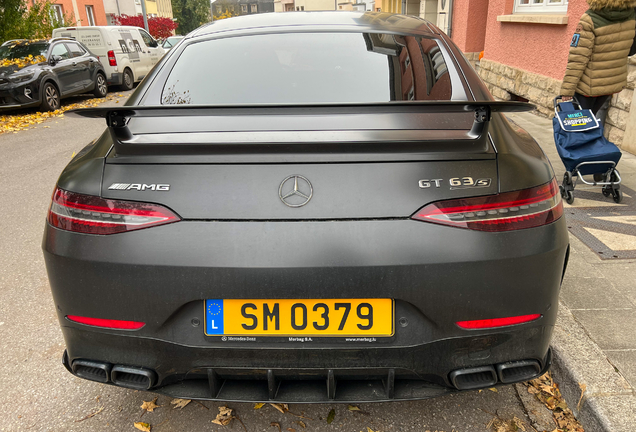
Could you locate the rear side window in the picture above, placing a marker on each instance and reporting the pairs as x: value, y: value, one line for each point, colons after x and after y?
x: 306, y: 68
x: 76, y: 50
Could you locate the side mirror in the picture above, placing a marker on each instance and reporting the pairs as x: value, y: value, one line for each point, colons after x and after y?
x: 54, y: 60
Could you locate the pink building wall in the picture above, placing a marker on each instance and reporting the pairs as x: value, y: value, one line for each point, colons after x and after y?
x: 468, y: 30
x: 538, y: 48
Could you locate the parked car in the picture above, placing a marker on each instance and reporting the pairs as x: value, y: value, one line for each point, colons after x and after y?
x: 43, y: 72
x: 171, y: 42
x: 314, y: 207
x: 127, y: 53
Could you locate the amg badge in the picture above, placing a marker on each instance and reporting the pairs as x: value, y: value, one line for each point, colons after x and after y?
x: 139, y: 186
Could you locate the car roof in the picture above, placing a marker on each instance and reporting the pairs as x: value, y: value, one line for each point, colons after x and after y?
x: 323, y: 20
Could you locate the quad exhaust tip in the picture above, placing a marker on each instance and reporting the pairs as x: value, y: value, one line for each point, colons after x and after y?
x: 136, y: 378
x: 487, y: 376
x: 132, y: 377
x: 91, y: 370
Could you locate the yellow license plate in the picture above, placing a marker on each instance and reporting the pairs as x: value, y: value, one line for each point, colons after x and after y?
x: 292, y: 317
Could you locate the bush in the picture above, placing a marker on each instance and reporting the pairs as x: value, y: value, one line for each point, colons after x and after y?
x: 19, y: 22
x: 159, y: 27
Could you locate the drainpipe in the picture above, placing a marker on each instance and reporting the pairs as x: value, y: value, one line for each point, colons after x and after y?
x: 450, y: 18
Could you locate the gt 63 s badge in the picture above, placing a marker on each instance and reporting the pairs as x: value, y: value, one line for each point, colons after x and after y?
x: 456, y: 183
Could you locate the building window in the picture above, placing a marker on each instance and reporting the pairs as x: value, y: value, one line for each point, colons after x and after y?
x: 58, y: 12
x: 541, y: 6
x: 302, y: 8
x: 90, y: 15
x: 244, y: 8
x: 254, y: 8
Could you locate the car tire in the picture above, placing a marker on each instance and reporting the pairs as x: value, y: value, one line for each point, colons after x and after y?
x: 128, y: 80
x: 101, y: 87
x: 50, y: 97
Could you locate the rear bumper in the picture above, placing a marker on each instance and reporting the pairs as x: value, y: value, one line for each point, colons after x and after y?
x: 115, y: 79
x: 162, y: 275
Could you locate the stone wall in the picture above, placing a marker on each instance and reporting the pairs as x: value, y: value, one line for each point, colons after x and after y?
x: 503, y: 81
x: 473, y: 58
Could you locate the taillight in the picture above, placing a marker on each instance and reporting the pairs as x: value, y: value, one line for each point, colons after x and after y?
x: 111, y: 58
x: 107, y: 323
x: 497, y: 322
x: 508, y: 211
x: 94, y: 215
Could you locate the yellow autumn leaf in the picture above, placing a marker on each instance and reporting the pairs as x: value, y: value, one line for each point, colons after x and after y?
x: 151, y: 405
x: 145, y: 427
x: 258, y: 405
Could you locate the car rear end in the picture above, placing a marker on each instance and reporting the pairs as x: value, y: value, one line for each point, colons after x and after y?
x: 321, y: 248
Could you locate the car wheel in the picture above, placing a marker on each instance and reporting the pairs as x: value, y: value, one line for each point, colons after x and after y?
x: 101, y: 88
x: 50, y: 97
x: 128, y: 81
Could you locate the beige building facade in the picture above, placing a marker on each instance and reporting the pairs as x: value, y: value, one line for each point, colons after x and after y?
x: 305, y: 5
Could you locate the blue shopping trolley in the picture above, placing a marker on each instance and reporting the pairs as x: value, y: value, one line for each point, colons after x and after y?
x: 584, y: 150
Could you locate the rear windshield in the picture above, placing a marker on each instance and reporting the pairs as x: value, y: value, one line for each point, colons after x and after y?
x: 12, y: 52
x: 306, y: 68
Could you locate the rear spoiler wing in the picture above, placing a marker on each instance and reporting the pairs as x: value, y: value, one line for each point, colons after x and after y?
x: 126, y: 143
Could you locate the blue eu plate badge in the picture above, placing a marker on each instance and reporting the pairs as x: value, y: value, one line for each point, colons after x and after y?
x: 214, y: 317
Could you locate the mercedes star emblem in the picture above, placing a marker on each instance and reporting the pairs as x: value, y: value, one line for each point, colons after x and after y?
x: 295, y: 191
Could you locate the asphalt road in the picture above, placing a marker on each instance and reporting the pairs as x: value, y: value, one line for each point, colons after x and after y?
x: 38, y: 394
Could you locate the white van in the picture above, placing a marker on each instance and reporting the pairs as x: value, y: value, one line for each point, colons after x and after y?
x: 127, y: 53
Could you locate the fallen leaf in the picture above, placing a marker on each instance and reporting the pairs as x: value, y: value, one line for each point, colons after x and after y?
x: 151, y: 405
x: 90, y: 415
x: 224, y: 417
x: 548, y: 389
x: 258, y: 405
x: 145, y: 427
x: 353, y: 408
x: 493, y: 389
x: 519, y: 423
x: 302, y: 424
x: 331, y: 416
x: 533, y: 390
x: 369, y: 429
x: 274, y: 424
x: 180, y: 403
x: 291, y: 429
x: 583, y: 387
x: 281, y: 407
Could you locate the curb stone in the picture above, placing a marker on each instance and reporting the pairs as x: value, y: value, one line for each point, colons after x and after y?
x: 578, y: 360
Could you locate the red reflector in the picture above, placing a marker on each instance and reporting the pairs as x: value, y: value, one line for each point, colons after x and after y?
x: 508, y: 211
x: 107, y: 323
x: 497, y: 322
x: 111, y: 58
x: 93, y: 215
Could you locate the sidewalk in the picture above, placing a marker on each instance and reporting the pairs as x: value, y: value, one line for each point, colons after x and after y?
x: 594, y: 341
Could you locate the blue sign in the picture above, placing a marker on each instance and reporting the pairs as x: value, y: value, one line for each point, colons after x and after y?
x: 214, y: 317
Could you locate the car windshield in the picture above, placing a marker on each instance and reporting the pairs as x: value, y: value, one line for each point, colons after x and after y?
x: 308, y: 68
x: 12, y: 52
x: 171, y: 41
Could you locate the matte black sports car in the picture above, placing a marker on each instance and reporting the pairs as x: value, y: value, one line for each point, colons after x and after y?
x: 337, y: 212
x: 44, y: 71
